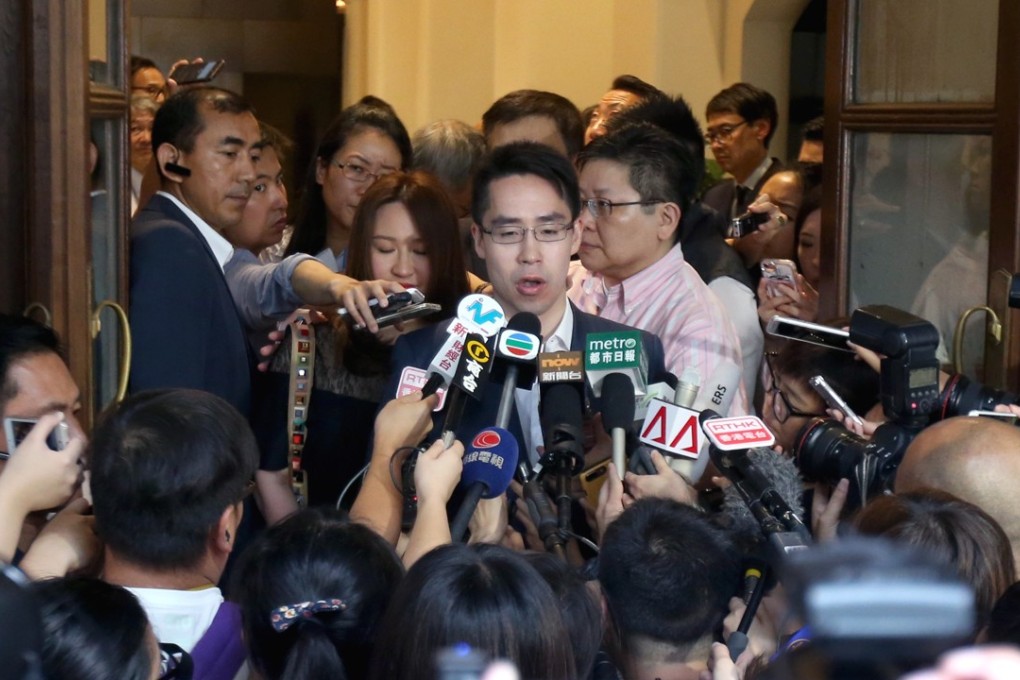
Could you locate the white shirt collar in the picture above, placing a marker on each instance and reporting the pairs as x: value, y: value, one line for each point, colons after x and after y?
x: 559, y: 341
x: 752, y: 180
x: 221, y: 248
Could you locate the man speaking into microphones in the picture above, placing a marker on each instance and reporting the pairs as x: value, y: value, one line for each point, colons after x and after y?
x: 525, y: 205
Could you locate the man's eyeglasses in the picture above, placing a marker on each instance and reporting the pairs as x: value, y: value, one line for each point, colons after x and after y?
x: 723, y: 133
x: 603, y: 207
x: 153, y: 91
x: 781, y: 407
x: 356, y: 172
x: 546, y: 233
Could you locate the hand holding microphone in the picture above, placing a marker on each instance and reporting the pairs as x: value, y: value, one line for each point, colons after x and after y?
x: 489, y: 467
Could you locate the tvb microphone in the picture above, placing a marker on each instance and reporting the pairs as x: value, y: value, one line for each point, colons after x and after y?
x: 515, y: 361
x: 469, y: 381
x: 618, y: 414
x: 489, y: 466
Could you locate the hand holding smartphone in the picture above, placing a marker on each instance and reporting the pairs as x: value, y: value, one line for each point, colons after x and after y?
x: 202, y: 72
x: 834, y: 401
x: 776, y: 271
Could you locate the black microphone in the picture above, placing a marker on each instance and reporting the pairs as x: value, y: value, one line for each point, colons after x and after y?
x: 515, y: 363
x: 488, y: 469
x: 781, y: 525
x: 618, y: 414
x: 469, y: 381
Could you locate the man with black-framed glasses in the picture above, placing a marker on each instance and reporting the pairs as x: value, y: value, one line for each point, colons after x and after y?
x: 525, y: 205
x: 740, y: 123
x: 635, y: 184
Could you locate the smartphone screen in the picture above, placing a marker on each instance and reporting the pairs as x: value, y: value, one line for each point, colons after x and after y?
x: 804, y: 331
x: 17, y: 429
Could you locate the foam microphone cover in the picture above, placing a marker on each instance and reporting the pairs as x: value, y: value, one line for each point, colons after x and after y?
x: 781, y: 473
x: 491, y: 459
x: 617, y: 401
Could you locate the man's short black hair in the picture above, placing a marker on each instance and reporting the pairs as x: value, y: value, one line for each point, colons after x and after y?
x: 525, y: 158
x: 180, y: 120
x: 813, y: 130
x: 138, y: 63
x: 21, y: 337
x: 667, y: 573
x: 635, y: 86
x: 660, y: 167
x: 165, y: 465
x: 672, y: 114
x: 523, y: 103
x: 749, y: 102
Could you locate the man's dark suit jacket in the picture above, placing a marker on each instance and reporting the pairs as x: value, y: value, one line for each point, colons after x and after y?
x: 418, y: 349
x: 720, y: 195
x: 185, y: 329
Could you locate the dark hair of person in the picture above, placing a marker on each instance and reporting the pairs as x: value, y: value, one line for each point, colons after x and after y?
x: 165, y: 465
x: 433, y: 216
x: 138, y: 63
x: 747, y: 101
x: 368, y: 113
x: 578, y: 605
x: 486, y: 596
x: 660, y: 167
x: 525, y: 158
x: 954, y: 532
x: 672, y: 114
x: 810, y: 203
x: 853, y: 380
x: 181, y: 118
x: 315, y: 555
x: 519, y: 104
x: 273, y: 138
x: 667, y: 572
x: 92, y: 631
x: 634, y: 85
x: 1004, y: 621
x: 21, y: 337
x: 813, y: 130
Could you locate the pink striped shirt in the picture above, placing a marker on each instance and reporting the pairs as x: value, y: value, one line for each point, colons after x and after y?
x: 670, y: 300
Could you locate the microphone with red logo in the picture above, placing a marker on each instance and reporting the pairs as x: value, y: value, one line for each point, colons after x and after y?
x: 489, y: 466
x: 515, y: 363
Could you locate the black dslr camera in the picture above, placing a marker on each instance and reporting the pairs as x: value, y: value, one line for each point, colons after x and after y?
x: 909, y: 385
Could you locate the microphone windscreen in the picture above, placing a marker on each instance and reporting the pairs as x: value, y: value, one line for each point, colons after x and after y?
x: 718, y: 391
x: 617, y: 401
x: 782, y: 475
x: 671, y: 380
x: 491, y: 459
x: 525, y: 322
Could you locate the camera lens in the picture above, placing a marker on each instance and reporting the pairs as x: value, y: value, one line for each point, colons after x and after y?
x: 965, y: 395
x: 826, y: 451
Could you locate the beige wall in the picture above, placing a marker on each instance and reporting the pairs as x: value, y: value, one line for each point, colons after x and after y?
x: 451, y: 58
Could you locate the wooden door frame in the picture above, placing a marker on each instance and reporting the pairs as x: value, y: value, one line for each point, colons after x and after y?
x: 1000, y: 119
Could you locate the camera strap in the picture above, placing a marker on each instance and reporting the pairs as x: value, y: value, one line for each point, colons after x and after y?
x: 302, y: 379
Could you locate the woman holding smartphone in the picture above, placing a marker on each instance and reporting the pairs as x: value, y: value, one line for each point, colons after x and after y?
x: 405, y: 230
x: 800, y: 301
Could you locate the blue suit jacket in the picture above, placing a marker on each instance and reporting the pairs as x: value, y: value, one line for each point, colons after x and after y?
x: 185, y: 328
x: 418, y: 349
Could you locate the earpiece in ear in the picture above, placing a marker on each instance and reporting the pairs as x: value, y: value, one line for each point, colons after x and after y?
x: 179, y: 169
